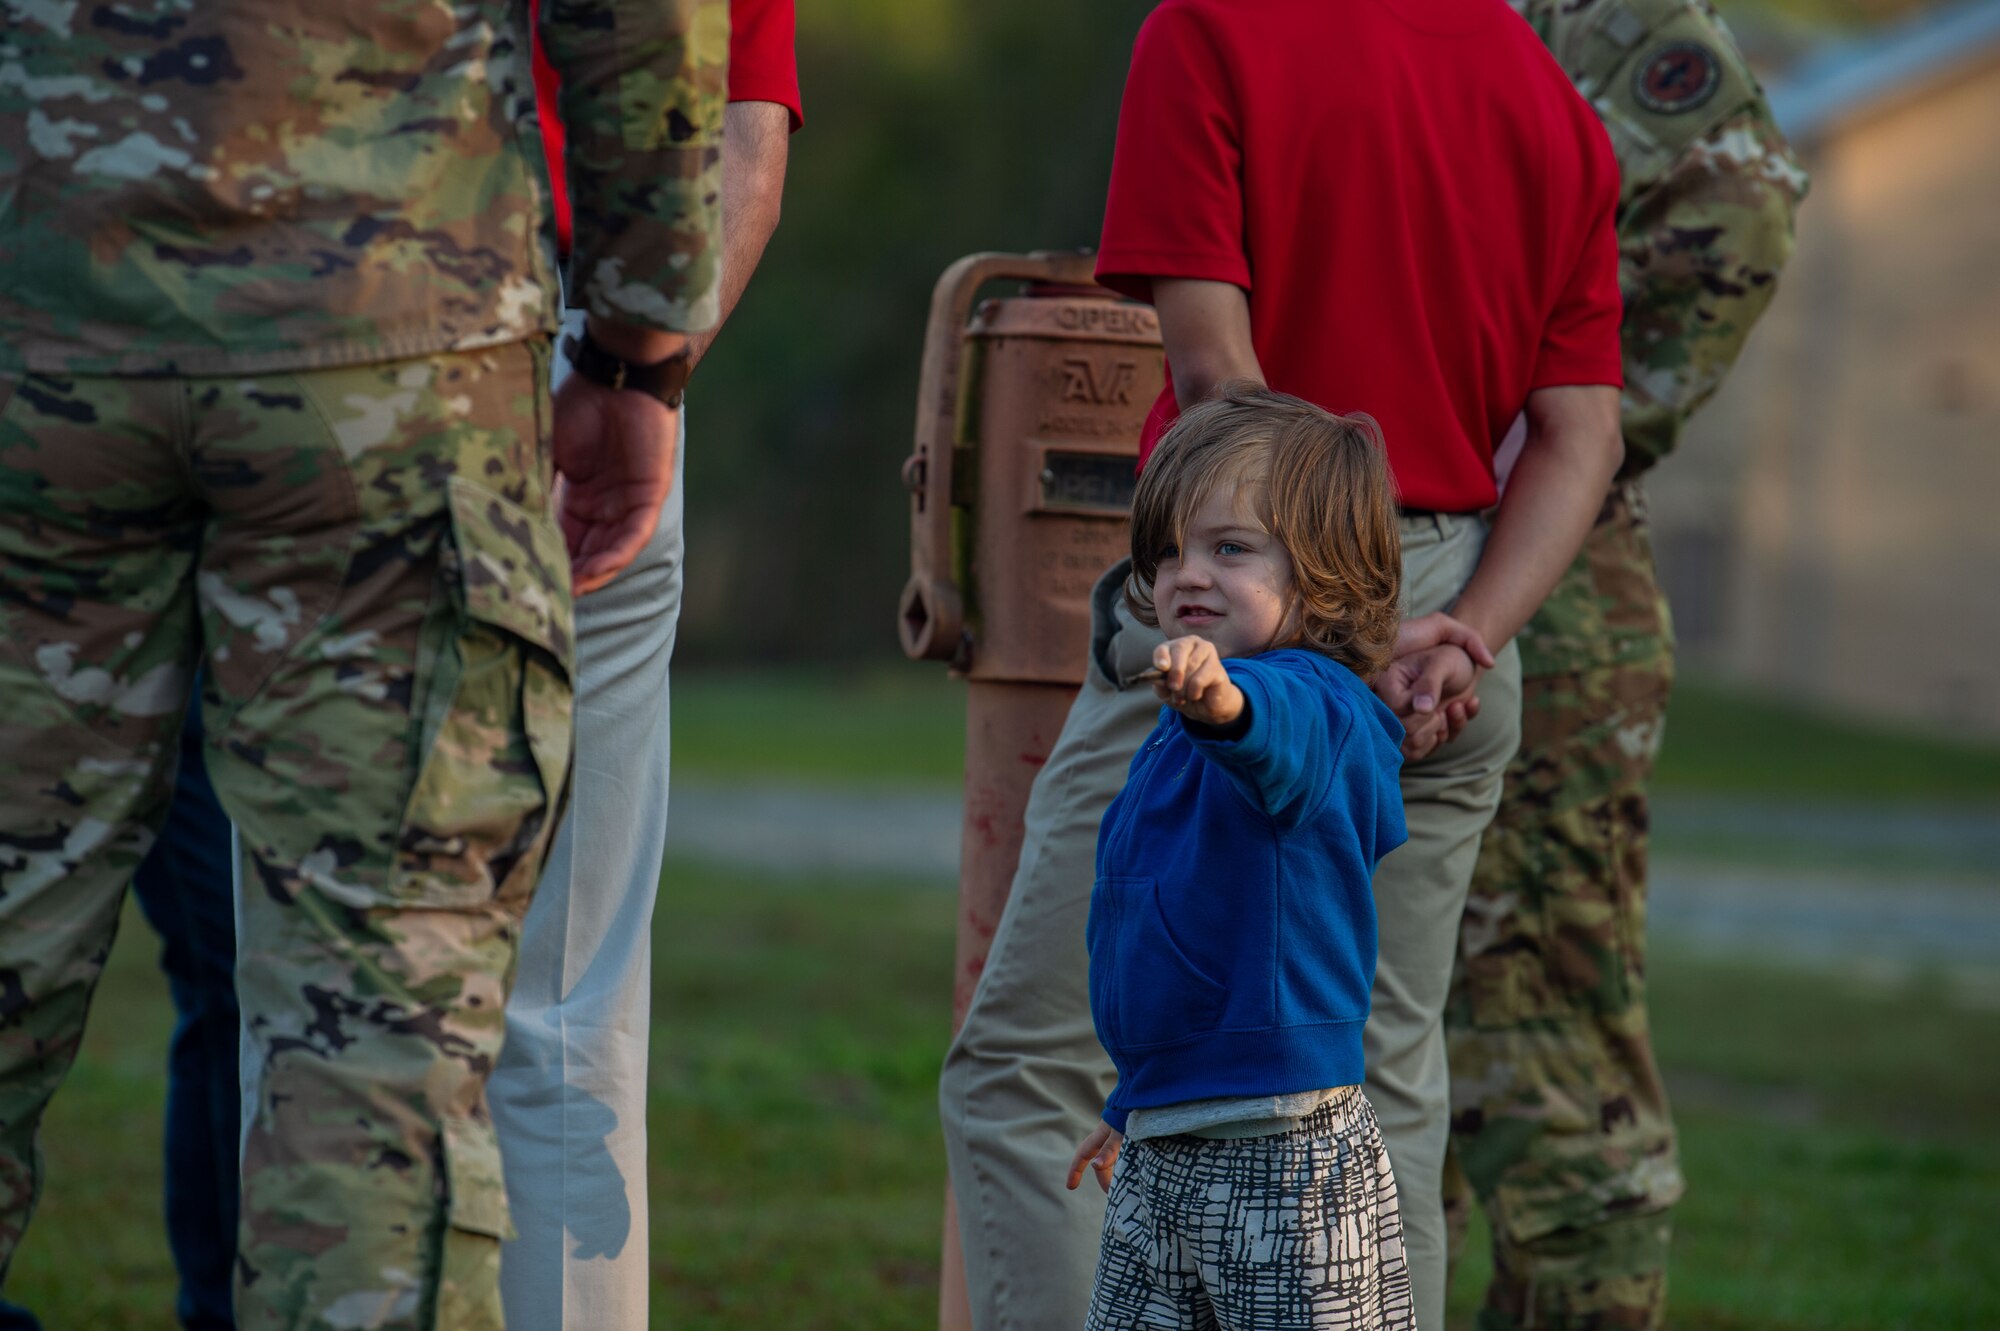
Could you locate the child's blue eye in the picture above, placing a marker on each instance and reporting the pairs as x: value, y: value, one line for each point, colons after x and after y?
x: 1169, y: 552
x: 1229, y: 548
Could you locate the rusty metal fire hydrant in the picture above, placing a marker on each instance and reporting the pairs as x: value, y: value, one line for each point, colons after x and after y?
x: 1027, y: 441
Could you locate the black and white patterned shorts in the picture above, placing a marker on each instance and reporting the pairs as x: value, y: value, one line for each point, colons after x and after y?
x: 1295, y: 1230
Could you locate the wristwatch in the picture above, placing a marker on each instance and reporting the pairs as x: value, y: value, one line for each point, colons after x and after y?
x: 663, y: 379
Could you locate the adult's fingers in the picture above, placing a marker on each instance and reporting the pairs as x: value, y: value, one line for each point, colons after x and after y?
x: 1466, y: 639
x: 615, y: 454
x: 600, y: 550
x: 1439, y: 629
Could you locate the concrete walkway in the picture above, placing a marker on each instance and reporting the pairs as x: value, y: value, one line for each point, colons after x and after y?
x: 1823, y: 916
x: 1946, y: 913
x: 840, y: 830
x: 1956, y: 840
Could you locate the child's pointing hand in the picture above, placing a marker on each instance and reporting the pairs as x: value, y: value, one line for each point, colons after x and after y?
x: 1193, y: 682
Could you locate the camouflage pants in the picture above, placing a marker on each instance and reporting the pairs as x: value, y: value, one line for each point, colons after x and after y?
x: 1560, y: 1124
x: 365, y: 561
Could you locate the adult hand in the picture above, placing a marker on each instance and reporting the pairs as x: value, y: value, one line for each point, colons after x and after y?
x: 1193, y: 682
x: 1435, y: 630
x: 1431, y: 690
x: 614, y: 450
x: 1099, y: 1151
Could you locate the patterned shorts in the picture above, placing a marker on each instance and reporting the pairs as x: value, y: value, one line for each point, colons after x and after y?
x: 1295, y: 1230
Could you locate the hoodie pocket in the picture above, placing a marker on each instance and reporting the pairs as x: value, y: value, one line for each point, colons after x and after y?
x: 1144, y: 987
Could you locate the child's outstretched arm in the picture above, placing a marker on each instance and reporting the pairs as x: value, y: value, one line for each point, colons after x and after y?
x: 1100, y: 1152
x: 1192, y: 682
x: 1269, y: 727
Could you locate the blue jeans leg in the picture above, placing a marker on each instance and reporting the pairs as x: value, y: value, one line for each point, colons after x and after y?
x: 185, y: 888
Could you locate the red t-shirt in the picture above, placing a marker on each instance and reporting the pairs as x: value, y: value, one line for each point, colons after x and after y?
x: 763, y: 67
x: 1413, y: 195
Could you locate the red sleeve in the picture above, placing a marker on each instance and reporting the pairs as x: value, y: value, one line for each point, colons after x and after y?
x: 763, y: 57
x: 1580, y: 341
x: 547, y: 85
x: 1175, y: 206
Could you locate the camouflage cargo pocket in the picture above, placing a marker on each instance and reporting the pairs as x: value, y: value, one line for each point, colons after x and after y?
x: 494, y: 729
x: 478, y: 1223
x: 478, y: 1198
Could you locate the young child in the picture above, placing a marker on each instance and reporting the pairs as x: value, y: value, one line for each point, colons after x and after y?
x: 1232, y: 928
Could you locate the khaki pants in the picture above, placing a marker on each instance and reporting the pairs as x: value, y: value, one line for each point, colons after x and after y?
x: 569, y: 1091
x: 1026, y: 1079
x: 363, y: 560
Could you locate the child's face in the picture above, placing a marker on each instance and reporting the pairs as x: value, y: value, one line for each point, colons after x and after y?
x: 1231, y: 583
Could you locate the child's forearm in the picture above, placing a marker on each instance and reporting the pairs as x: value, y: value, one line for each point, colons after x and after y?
x: 1229, y: 731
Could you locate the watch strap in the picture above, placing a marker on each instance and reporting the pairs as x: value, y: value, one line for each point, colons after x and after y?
x: 665, y: 380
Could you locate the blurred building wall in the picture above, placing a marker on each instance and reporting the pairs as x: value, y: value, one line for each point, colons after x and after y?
x: 1831, y: 527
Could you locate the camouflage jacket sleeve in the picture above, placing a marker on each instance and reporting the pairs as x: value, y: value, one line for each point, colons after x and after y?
x: 643, y: 87
x: 1699, y: 255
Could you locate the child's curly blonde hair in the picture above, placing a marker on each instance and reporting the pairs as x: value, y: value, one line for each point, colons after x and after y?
x: 1317, y: 482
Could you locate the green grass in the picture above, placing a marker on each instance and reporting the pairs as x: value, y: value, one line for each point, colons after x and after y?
x: 1843, y: 1170
x: 1820, y: 1229
x: 905, y: 724
x: 96, y: 1254
x: 1726, y: 741
x: 796, y: 1168
x: 1837, y: 1138
x: 896, y: 725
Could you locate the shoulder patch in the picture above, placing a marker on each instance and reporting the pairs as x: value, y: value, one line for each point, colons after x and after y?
x: 1677, y: 77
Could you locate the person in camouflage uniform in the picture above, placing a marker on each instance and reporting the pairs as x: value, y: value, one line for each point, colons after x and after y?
x: 275, y: 295
x: 1560, y: 1125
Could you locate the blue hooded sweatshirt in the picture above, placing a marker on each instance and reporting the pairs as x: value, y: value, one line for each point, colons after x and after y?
x: 1232, y: 927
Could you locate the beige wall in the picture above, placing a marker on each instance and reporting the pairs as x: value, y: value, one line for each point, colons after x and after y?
x: 1833, y: 523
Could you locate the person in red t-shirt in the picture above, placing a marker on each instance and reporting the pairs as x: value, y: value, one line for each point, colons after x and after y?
x: 1398, y: 207
x: 569, y: 1092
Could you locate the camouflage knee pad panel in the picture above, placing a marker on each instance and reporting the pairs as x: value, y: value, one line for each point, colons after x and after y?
x: 366, y: 560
